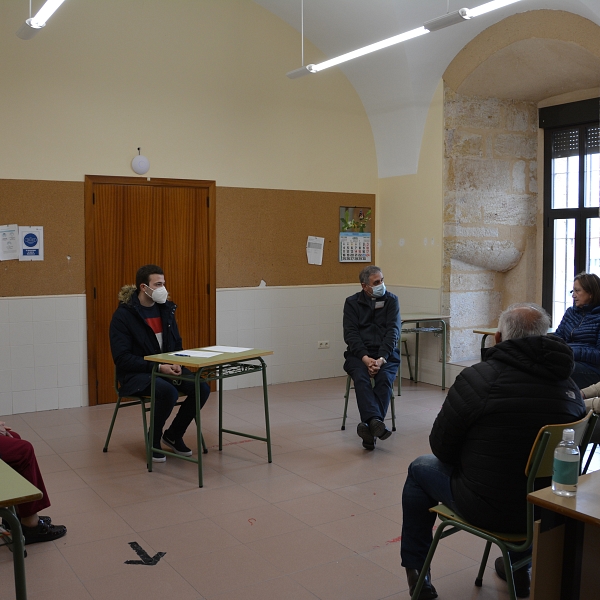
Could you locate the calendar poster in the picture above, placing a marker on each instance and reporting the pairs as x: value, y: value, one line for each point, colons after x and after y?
x: 355, y: 234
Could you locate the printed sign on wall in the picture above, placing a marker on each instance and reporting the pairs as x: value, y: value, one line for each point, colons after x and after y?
x: 31, y: 243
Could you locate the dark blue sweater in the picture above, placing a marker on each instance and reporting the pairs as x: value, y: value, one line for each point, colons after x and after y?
x: 580, y: 328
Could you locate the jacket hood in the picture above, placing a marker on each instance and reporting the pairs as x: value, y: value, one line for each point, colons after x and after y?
x: 543, y: 356
x: 126, y: 293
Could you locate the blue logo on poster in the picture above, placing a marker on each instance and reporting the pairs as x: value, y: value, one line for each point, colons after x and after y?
x: 30, y: 240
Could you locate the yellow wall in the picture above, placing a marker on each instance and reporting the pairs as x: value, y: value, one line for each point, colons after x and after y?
x: 200, y: 85
x: 410, y: 212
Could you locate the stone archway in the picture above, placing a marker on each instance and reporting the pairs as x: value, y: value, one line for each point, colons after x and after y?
x: 492, y: 252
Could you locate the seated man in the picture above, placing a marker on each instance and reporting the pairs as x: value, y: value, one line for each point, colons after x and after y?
x: 482, y: 437
x: 20, y: 455
x: 371, y: 330
x: 143, y: 324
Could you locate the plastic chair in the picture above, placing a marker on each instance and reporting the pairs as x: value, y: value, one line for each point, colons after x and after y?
x: 134, y: 401
x: 348, y: 386
x: 539, y: 464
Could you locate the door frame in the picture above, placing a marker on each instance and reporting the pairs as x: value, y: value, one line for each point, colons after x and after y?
x: 90, y: 257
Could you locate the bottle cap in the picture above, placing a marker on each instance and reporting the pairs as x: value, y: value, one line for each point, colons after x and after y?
x: 568, y: 435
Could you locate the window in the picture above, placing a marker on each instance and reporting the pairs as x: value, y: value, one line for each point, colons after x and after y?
x: 571, y: 203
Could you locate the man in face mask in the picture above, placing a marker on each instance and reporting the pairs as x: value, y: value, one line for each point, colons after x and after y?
x: 144, y: 324
x: 371, y: 330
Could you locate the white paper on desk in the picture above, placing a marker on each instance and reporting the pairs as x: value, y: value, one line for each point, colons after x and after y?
x: 9, y: 242
x: 314, y: 250
x: 220, y: 349
x: 194, y: 353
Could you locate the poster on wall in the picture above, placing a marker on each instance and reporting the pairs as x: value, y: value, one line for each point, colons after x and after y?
x: 355, y: 234
x: 31, y: 243
x: 9, y: 242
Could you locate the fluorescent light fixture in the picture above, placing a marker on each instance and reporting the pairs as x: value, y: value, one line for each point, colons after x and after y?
x: 488, y: 7
x: 458, y: 16
x: 453, y: 18
x: 33, y: 25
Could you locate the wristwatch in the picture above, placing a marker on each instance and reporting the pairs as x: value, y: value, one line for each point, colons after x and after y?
x: 382, y: 359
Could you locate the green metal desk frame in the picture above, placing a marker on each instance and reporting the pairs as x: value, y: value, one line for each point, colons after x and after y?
x: 15, y: 489
x: 418, y: 319
x: 221, y: 367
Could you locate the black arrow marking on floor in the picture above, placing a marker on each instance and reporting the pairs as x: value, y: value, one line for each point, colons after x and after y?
x: 146, y: 558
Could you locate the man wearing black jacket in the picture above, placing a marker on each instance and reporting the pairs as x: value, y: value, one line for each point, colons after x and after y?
x: 371, y: 330
x: 482, y: 437
x: 143, y: 324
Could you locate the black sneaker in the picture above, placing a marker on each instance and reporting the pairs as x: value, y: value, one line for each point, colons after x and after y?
x: 362, y: 429
x: 45, y: 519
x: 43, y: 532
x: 176, y: 445
x: 157, y: 457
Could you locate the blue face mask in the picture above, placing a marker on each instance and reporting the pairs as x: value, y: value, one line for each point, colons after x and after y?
x: 378, y: 290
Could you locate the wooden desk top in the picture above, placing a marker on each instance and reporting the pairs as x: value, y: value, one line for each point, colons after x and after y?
x: 218, y: 359
x: 14, y: 488
x: 585, y: 506
x: 485, y: 330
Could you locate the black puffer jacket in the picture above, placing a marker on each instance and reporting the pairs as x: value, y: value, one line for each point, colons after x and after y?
x: 489, y: 421
x: 131, y: 338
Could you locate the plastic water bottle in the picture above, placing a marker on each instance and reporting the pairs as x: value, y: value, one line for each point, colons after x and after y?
x: 566, y: 465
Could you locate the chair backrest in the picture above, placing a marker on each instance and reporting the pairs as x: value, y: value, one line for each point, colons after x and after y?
x: 541, y: 457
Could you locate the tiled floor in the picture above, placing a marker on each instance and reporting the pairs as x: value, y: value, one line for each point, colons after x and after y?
x: 322, y: 521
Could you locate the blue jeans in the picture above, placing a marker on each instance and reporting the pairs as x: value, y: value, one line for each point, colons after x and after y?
x: 427, y: 484
x: 165, y: 397
x: 373, y: 401
x: 584, y: 375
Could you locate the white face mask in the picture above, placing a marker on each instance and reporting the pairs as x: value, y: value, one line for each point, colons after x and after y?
x: 378, y: 290
x: 159, y: 295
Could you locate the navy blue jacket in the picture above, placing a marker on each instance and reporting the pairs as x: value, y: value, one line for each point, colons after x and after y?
x: 580, y: 328
x: 131, y: 338
x: 489, y: 421
x: 371, y: 331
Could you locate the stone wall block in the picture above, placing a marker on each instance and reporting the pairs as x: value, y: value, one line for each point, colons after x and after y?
x: 495, y: 255
x: 475, y: 113
x: 514, y: 145
x: 464, y: 143
x: 485, y: 175
x: 462, y: 282
x: 519, y: 181
x: 452, y: 230
x: 533, y: 187
x: 517, y: 117
x: 474, y: 309
x: 464, y: 345
x: 468, y: 208
x: 510, y: 209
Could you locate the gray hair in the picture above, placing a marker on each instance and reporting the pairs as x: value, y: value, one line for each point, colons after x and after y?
x: 524, y: 319
x: 366, y: 273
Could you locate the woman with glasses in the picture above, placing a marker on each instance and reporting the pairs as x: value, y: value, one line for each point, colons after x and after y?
x: 580, y: 328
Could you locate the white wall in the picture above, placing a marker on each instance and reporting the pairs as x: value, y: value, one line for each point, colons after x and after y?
x: 43, y: 354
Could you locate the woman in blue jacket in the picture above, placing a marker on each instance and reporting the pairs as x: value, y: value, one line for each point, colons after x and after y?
x: 580, y: 328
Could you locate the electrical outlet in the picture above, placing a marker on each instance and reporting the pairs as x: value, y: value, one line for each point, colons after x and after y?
x: 323, y: 344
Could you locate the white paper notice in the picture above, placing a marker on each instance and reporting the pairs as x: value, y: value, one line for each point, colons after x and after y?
x: 314, y: 250
x: 31, y: 243
x: 226, y: 349
x: 194, y: 354
x: 9, y: 242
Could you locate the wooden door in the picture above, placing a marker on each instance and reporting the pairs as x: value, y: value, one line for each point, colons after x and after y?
x: 130, y: 223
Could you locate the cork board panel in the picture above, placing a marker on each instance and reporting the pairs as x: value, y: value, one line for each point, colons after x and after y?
x: 261, y: 234
x: 58, y: 207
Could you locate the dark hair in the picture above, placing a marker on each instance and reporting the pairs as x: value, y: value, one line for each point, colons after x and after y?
x: 366, y: 273
x: 143, y: 275
x: 590, y: 283
x: 525, y: 319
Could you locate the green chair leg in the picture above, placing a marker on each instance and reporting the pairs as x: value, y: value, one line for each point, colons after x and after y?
x: 348, y: 381
x: 112, y: 424
x: 484, y: 559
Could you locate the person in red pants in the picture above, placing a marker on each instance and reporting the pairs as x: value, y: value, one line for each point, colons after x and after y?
x: 20, y: 455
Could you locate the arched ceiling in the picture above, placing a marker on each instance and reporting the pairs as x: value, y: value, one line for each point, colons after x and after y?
x: 396, y: 85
